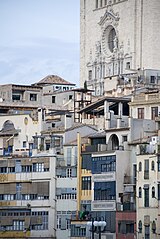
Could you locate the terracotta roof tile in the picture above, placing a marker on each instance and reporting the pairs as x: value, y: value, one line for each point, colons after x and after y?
x: 54, y: 79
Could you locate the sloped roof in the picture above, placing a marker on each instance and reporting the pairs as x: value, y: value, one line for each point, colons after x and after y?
x: 53, y: 79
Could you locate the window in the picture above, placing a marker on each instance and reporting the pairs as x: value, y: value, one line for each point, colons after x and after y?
x: 58, y: 222
x: 38, y: 167
x: 8, y: 197
x: 18, y: 191
x: 105, y: 2
x: 140, y: 166
x: 44, y: 216
x: 69, y: 172
x: 58, y: 88
x: 3, y: 169
x: 26, y: 168
x: 140, y: 113
x: 130, y: 228
x: 128, y: 65
x: 24, y: 144
x: 125, y: 227
x: 153, y: 192
x: 96, y: 3
x: 158, y: 164
x: 33, y: 97
x: 153, y: 227
x: 53, y: 99
x: 86, y: 183
x: 104, y: 191
x: 18, y: 225
x: 101, y: 3
x: 152, y: 79
x: 146, y: 196
x: 11, y: 169
x: 154, y: 112
x: 146, y: 169
x: 152, y: 166
x: 90, y: 75
x: 16, y: 97
x: 140, y: 192
x: 70, y: 97
x: 147, y: 232
x: 140, y: 226
x: 111, y: 39
x: 158, y: 191
x: 124, y: 138
x: 108, y: 167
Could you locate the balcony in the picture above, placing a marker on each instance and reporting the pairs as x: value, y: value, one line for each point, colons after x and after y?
x: 96, y: 148
x: 126, y: 206
x: 109, y: 205
x: 104, y: 177
x: 147, y: 149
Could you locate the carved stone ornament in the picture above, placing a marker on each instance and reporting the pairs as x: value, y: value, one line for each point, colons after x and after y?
x: 109, y: 17
x: 107, y: 22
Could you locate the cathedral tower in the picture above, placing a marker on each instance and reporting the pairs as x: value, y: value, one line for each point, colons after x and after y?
x: 117, y: 37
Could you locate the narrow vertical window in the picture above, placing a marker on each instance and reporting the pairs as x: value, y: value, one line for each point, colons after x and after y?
x: 152, y: 166
x: 96, y: 3
x: 146, y: 169
x: 140, y: 226
x: 90, y: 75
x: 154, y: 112
x: 53, y: 99
x: 146, y: 195
x: 153, y: 192
x: 140, y: 113
x: 140, y: 192
x: 111, y: 38
x: 140, y: 166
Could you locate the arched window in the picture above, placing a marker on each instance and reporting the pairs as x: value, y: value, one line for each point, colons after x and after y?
x: 140, y: 192
x: 153, y: 192
x: 111, y: 38
x: 153, y: 227
x: 152, y: 165
x: 140, y: 166
x: 140, y: 226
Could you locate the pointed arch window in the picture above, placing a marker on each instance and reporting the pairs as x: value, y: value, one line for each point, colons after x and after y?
x: 152, y: 166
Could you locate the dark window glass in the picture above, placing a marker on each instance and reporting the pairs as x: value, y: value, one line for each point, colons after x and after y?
x: 154, y: 112
x: 111, y: 38
x: 53, y: 99
x: 146, y: 197
x: 140, y: 113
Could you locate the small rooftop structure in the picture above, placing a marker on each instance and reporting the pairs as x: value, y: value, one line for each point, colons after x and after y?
x: 53, y: 79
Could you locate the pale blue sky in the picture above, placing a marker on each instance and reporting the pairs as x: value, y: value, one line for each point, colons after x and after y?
x: 39, y: 38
